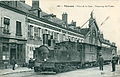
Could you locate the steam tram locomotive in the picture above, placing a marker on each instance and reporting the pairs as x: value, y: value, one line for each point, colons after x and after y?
x: 67, y: 56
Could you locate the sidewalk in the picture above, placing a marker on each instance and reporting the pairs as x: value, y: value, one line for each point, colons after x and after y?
x: 95, y: 72
x: 108, y: 72
x: 17, y: 70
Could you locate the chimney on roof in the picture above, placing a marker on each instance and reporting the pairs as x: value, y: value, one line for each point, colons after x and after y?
x: 65, y: 18
x: 101, y: 36
x: 14, y: 3
x: 36, y: 8
x: 35, y: 4
x: 73, y: 23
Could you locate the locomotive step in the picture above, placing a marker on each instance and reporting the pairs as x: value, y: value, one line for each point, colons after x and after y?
x: 48, y: 72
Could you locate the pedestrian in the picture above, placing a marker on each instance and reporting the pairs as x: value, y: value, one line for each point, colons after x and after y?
x: 34, y: 62
x: 113, y: 63
x: 13, y: 62
x: 117, y: 59
x: 100, y: 62
x: 31, y: 63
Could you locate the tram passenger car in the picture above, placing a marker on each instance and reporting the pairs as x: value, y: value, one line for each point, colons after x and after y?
x: 67, y: 56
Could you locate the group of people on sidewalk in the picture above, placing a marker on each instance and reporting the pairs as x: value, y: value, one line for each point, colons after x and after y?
x: 14, y: 63
x: 114, y: 61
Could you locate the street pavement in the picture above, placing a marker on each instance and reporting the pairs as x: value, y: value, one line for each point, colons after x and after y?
x: 89, y: 72
x: 17, y: 70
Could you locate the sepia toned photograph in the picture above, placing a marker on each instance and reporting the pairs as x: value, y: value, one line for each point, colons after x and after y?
x: 59, y: 38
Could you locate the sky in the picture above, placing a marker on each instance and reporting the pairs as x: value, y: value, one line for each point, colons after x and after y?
x: 79, y: 11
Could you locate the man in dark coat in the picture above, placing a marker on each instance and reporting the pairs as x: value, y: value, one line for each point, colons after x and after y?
x: 13, y: 62
x: 113, y: 63
x: 101, y: 62
x: 31, y: 62
x: 117, y: 59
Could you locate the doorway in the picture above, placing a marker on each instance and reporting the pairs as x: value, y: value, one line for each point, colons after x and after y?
x: 12, y: 53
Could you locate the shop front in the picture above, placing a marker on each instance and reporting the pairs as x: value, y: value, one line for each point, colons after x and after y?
x: 11, y: 48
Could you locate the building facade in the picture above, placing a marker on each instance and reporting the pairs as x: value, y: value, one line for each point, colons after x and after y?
x: 12, y: 34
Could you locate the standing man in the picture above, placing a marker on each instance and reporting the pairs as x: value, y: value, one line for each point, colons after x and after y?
x: 113, y: 62
x: 13, y: 62
x: 117, y: 59
x: 100, y: 62
x: 31, y: 63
